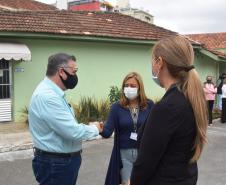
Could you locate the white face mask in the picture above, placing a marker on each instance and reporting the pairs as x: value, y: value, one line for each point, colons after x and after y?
x: 155, y: 76
x: 130, y: 92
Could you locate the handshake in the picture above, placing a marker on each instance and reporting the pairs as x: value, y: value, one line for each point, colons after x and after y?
x: 99, y: 125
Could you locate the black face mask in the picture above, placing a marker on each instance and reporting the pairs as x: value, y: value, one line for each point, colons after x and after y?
x: 209, y: 81
x: 71, y: 80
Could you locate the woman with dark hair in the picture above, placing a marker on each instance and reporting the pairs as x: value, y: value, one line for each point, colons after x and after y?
x: 175, y: 133
x: 125, y: 118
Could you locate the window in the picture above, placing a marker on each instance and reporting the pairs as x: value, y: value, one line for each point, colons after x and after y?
x: 4, y: 79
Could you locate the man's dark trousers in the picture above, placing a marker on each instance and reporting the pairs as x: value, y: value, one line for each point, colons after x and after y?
x: 50, y: 170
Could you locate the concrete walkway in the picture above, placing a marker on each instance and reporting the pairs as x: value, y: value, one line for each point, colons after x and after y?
x: 16, y: 166
x: 18, y: 141
x: 14, y: 142
x: 22, y: 141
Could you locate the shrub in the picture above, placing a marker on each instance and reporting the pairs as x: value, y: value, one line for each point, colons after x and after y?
x: 103, y: 108
x: 114, y: 94
x: 89, y: 109
x: 24, y: 114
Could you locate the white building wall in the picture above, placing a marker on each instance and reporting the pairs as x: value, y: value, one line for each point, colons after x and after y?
x: 138, y: 14
x: 62, y: 4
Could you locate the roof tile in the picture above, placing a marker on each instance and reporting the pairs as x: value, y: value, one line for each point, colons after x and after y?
x: 80, y: 23
x: 211, y: 42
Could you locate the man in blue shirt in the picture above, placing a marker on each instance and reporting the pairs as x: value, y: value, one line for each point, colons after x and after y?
x: 56, y: 134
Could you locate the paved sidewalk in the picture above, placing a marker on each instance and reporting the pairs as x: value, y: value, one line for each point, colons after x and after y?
x: 217, y: 124
x: 18, y: 141
x: 15, y: 141
x: 16, y: 168
x: 22, y: 140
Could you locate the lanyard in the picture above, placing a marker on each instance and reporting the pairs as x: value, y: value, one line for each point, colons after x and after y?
x: 134, y: 112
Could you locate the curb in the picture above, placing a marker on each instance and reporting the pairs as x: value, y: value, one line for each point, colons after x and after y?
x: 13, y: 148
x: 26, y: 146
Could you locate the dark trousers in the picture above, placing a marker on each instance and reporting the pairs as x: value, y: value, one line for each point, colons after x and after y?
x: 210, y: 110
x: 50, y: 170
x: 223, y: 113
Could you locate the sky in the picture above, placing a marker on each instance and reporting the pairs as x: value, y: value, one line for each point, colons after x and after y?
x: 183, y: 16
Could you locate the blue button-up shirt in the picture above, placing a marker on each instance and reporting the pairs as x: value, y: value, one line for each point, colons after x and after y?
x: 52, y: 122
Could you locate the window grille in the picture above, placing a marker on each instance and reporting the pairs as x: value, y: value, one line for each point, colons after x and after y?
x: 5, y: 85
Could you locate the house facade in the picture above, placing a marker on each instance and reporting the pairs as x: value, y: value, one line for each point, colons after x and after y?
x: 107, y: 47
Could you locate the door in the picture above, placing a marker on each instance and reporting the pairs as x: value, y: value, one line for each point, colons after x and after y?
x: 5, y: 91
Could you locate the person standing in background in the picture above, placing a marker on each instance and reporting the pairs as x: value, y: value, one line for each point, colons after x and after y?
x: 210, y: 91
x: 223, y: 113
x: 219, y: 90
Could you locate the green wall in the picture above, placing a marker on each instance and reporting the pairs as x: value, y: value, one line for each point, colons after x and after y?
x: 101, y: 65
x: 206, y: 66
x: 222, y: 67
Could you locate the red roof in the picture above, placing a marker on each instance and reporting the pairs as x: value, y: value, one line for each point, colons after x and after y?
x: 24, y: 5
x: 211, y: 42
x: 98, y: 24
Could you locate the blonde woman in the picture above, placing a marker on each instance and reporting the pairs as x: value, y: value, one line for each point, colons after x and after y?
x: 175, y: 133
x: 125, y: 118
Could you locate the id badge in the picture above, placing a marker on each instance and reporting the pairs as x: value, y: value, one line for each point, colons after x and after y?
x: 133, y: 136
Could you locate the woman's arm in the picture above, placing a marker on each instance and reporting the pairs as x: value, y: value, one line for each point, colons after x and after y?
x: 109, y: 125
x: 211, y: 89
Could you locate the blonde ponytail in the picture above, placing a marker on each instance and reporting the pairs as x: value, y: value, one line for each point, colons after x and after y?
x: 193, y: 90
